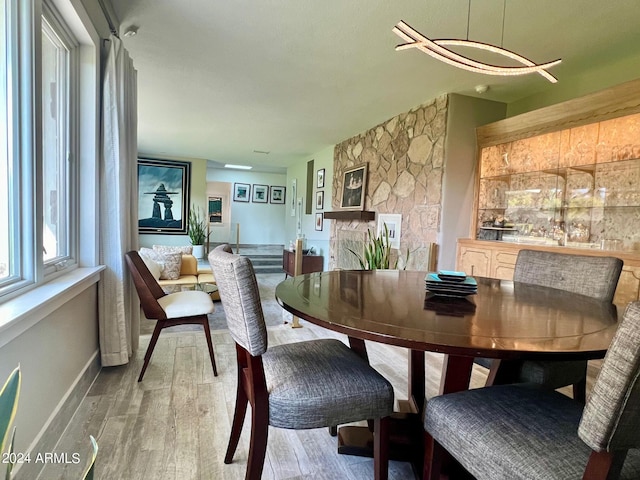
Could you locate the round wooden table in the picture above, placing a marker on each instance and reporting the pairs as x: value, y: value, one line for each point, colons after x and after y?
x: 504, y: 320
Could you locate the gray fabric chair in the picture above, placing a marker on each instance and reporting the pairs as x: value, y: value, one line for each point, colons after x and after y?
x: 523, y: 431
x: 302, y: 385
x: 595, y: 277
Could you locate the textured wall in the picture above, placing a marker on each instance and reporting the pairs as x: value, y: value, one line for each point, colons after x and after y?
x: 405, y: 158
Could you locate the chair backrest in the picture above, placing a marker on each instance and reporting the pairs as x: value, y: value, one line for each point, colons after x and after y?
x: 147, y: 287
x: 611, y: 418
x: 596, y: 277
x: 240, y: 298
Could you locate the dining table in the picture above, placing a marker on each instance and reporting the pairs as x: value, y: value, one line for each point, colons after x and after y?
x: 502, y: 320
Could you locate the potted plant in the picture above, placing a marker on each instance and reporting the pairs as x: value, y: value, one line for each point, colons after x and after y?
x: 377, y: 252
x: 197, y: 232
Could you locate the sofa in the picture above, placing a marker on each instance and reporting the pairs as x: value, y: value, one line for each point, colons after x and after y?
x: 175, y: 269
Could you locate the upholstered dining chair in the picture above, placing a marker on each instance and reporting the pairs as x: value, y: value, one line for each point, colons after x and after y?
x: 595, y: 277
x: 304, y: 385
x: 169, y: 310
x: 524, y: 431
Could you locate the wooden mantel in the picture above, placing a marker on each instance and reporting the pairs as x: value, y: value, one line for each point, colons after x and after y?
x: 363, y: 215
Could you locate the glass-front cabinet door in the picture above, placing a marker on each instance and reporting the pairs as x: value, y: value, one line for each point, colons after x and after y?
x: 578, y: 187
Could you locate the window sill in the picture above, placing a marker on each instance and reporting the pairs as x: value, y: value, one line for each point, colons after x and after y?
x: 24, y: 311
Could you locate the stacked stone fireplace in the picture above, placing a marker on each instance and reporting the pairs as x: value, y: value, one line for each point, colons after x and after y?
x: 405, y: 158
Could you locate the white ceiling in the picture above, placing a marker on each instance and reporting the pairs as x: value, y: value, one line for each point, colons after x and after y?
x: 218, y: 79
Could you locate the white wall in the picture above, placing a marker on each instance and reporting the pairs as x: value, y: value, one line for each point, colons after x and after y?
x: 317, y: 239
x: 465, y: 114
x: 260, y: 223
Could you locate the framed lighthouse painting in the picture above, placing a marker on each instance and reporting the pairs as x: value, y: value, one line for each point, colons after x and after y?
x: 163, y: 196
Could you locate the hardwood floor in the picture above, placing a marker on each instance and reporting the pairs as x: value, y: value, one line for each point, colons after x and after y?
x: 175, y: 424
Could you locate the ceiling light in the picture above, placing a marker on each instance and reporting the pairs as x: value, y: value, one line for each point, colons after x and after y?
x: 238, y: 167
x: 436, y: 49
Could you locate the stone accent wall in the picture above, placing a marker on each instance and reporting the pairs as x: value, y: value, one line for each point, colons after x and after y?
x: 405, y: 157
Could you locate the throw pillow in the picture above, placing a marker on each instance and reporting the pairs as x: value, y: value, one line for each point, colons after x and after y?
x: 154, y: 267
x: 184, y: 249
x: 169, y: 262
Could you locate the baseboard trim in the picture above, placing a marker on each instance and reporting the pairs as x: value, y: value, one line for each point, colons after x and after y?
x: 57, y: 423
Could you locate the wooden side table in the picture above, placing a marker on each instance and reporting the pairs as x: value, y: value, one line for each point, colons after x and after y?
x: 310, y: 263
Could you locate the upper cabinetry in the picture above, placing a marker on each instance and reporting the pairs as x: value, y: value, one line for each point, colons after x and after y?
x: 566, y: 181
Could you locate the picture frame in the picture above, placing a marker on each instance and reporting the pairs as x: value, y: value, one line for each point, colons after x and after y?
x: 354, y: 186
x: 319, y: 221
x: 394, y: 225
x: 241, y: 192
x: 320, y: 200
x: 260, y: 193
x: 277, y: 194
x: 320, y: 178
x: 163, y: 196
x: 292, y: 197
x: 215, y: 210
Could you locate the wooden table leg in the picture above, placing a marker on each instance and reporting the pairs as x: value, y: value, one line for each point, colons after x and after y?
x: 406, y: 431
x: 456, y: 374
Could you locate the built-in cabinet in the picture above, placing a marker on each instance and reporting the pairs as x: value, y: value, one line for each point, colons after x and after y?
x: 562, y: 178
x: 575, y: 187
x: 496, y: 259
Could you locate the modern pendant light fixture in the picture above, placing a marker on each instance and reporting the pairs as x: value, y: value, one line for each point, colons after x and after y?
x: 437, y: 49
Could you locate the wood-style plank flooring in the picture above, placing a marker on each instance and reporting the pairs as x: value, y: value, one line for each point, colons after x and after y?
x: 175, y: 424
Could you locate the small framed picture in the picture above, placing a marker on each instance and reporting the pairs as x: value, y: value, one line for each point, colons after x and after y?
x: 277, y: 194
x: 319, y: 221
x: 260, y: 194
x: 393, y: 222
x: 320, y: 178
x: 320, y: 200
x: 241, y: 192
x: 354, y: 185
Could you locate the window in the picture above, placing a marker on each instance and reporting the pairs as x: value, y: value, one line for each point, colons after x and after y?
x: 38, y: 147
x: 57, y: 135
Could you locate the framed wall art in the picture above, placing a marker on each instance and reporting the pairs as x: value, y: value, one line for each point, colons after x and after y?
x: 354, y: 185
x: 163, y: 196
x: 277, y: 194
x: 260, y: 194
x: 215, y: 209
x: 320, y: 178
x: 320, y: 200
x: 393, y: 221
x: 241, y: 192
x: 319, y: 221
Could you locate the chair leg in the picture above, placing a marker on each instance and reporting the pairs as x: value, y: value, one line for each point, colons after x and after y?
x: 258, y: 442
x: 207, y: 332
x: 580, y: 391
x: 381, y: 448
x: 433, y: 458
x: 152, y: 345
x: 238, y: 420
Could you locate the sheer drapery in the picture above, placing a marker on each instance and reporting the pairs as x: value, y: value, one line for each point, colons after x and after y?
x: 119, y: 310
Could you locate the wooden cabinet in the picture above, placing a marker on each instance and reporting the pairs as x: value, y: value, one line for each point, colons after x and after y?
x: 310, y: 263
x: 496, y: 259
x: 474, y: 261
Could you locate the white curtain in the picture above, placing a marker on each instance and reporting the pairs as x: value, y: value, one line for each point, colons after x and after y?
x: 119, y: 310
